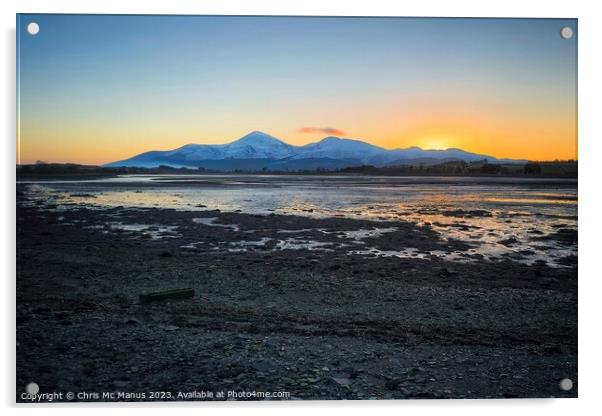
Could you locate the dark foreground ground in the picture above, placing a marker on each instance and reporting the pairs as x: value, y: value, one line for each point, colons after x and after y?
x: 318, y: 324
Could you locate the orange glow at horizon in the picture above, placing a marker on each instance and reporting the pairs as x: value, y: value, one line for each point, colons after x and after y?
x: 532, y: 144
x: 533, y: 131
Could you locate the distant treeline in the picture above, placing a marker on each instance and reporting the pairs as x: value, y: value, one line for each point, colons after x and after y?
x: 42, y: 169
x: 566, y: 169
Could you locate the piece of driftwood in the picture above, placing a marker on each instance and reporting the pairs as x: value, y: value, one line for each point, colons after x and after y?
x: 146, y: 298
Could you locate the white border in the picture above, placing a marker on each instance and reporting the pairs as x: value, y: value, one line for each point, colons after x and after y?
x: 590, y: 276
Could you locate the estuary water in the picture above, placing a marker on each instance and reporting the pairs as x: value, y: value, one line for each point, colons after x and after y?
x: 534, y: 219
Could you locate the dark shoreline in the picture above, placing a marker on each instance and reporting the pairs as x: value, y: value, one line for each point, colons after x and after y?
x: 477, y: 178
x: 318, y: 324
x: 259, y: 179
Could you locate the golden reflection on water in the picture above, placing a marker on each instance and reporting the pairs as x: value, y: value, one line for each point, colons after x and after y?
x: 481, y: 215
x: 515, y: 198
x: 531, y: 201
x: 134, y: 198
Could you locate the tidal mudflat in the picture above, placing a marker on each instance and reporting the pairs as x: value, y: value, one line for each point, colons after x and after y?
x: 325, y: 288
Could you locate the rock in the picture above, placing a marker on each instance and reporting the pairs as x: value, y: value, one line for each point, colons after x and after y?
x: 263, y: 365
x: 169, y: 327
x: 394, y: 362
x: 508, y: 242
x: 353, y: 374
x: 404, y: 391
x: 342, y: 381
x: 416, y: 370
x: 448, y: 271
x: 393, y: 383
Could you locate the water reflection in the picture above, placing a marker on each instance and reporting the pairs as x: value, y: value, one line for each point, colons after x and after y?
x: 508, y: 217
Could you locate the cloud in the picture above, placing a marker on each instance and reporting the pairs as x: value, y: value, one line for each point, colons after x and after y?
x: 324, y: 130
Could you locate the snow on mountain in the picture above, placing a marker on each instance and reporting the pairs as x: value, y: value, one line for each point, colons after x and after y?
x: 260, y: 149
x: 347, y: 149
x: 255, y: 145
x: 258, y: 145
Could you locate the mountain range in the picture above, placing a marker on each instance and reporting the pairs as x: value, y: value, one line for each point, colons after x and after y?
x: 257, y: 151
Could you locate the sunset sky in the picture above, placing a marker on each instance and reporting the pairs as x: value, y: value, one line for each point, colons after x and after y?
x: 96, y: 89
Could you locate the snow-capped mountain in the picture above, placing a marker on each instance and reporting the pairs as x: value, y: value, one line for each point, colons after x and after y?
x: 255, y: 145
x: 258, y: 150
x: 347, y: 149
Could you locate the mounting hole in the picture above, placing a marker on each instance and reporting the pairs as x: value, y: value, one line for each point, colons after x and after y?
x: 33, y: 28
x: 32, y: 388
x: 566, y: 32
x: 566, y: 384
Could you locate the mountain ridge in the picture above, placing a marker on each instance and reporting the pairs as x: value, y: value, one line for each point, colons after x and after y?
x: 258, y: 150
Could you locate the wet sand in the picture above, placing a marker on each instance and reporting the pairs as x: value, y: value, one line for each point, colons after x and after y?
x: 310, y: 306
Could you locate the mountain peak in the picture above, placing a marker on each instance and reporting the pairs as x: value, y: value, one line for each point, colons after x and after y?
x: 257, y: 136
x: 345, y: 144
x: 334, y: 140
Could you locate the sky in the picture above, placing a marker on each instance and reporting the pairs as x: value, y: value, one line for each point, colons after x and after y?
x: 95, y: 89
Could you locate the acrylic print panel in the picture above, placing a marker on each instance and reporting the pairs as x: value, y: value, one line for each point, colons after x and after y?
x: 250, y: 208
